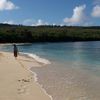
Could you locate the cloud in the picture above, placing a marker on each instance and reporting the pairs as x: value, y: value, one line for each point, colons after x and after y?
x: 77, y: 17
x: 32, y: 22
x: 7, y: 5
x: 39, y: 23
x: 8, y: 22
x: 96, y: 11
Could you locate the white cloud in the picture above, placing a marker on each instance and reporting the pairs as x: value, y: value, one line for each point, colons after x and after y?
x: 8, y: 22
x: 96, y: 11
x: 39, y: 22
x: 28, y: 22
x: 77, y: 17
x: 32, y: 22
x: 7, y: 5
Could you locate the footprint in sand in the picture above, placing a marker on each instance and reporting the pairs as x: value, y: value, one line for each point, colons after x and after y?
x: 24, y: 84
x: 21, y: 91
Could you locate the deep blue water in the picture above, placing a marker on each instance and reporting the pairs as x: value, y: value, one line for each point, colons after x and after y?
x: 74, y: 63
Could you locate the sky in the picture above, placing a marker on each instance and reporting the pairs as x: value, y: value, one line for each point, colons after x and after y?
x: 50, y: 12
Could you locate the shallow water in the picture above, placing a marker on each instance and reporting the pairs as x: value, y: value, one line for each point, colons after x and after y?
x: 68, y: 83
x: 74, y: 72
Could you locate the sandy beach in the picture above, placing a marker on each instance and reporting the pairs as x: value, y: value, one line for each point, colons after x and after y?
x: 16, y: 81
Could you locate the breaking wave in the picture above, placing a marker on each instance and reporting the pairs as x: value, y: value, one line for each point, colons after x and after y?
x: 36, y: 57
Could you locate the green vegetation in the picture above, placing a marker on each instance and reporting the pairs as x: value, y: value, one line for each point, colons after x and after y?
x: 19, y: 33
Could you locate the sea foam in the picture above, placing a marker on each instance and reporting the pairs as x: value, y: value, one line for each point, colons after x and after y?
x: 36, y: 57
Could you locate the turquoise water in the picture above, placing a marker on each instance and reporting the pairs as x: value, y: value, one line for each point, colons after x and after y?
x: 74, y: 72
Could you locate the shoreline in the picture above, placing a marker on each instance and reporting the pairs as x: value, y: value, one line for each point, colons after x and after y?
x: 36, y: 78
x: 15, y: 43
x: 40, y: 90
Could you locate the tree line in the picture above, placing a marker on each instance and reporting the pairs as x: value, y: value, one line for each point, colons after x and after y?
x: 48, y: 33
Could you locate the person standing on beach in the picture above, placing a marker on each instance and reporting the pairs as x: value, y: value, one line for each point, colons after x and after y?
x: 15, y: 51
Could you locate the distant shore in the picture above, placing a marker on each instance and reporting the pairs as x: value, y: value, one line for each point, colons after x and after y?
x: 17, y: 82
x: 47, y: 33
x: 15, y: 43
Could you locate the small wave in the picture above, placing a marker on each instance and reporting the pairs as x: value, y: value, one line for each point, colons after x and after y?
x: 37, y: 58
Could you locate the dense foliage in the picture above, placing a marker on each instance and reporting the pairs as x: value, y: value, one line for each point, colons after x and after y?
x: 19, y: 33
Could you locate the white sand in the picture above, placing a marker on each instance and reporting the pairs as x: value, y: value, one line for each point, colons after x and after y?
x: 16, y: 81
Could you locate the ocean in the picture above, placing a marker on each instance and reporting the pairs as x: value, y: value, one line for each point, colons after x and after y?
x: 73, y: 70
